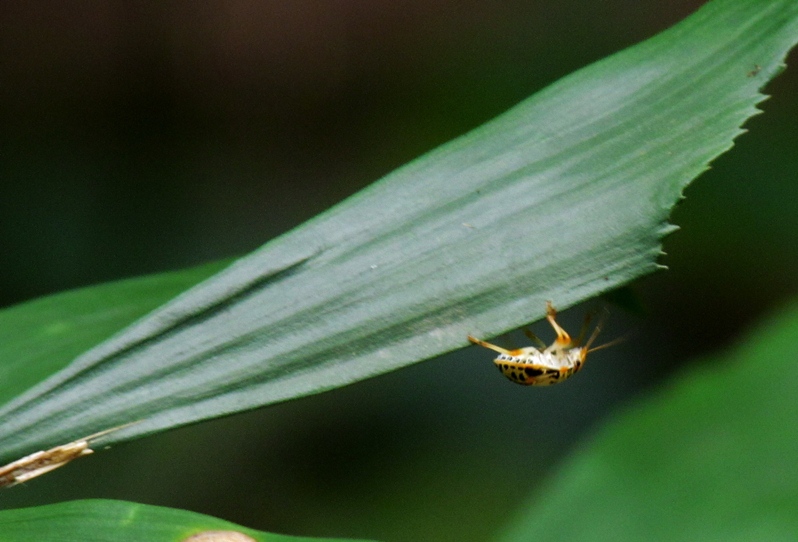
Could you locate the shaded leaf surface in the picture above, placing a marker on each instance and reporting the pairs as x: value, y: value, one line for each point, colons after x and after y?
x: 709, y: 458
x: 562, y: 198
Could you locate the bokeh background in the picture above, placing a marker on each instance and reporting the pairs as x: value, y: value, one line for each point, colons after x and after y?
x: 147, y: 136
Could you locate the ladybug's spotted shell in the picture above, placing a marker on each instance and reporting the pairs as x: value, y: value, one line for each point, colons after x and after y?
x: 546, y: 365
x: 535, y: 368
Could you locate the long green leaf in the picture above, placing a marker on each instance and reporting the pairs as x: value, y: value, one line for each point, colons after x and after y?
x: 42, y: 336
x: 709, y: 458
x: 563, y: 197
x: 119, y: 521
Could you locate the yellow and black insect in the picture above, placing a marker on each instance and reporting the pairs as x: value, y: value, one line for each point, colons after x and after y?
x: 545, y: 365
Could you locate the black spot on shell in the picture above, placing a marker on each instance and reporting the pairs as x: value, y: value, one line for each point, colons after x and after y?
x: 534, y: 371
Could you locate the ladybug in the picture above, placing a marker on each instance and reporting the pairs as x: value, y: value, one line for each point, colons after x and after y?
x: 545, y: 365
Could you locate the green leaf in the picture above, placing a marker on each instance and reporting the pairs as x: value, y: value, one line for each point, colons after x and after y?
x: 120, y: 521
x: 708, y: 458
x: 562, y: 198
x: 42, y: 336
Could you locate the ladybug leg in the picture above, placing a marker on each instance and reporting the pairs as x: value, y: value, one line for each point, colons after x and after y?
x: 585, y: 326
x: 534, y: 338
x: 485, y: 344
x: 563, y: 339
x: 605, y: 345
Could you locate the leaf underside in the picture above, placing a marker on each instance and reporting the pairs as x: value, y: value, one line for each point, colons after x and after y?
x: 563, y: 197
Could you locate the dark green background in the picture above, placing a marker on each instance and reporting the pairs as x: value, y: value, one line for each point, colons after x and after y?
x: 143, y: 137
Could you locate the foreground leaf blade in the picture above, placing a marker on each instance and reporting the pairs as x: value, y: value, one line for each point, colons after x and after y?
x: 709, y: 458
x: 120, y: 521
x: 561, y: 198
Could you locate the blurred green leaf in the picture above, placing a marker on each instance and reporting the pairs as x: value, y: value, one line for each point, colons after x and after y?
x: 709, y: 458
x: 563, y: 197
x: 120, y: 521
